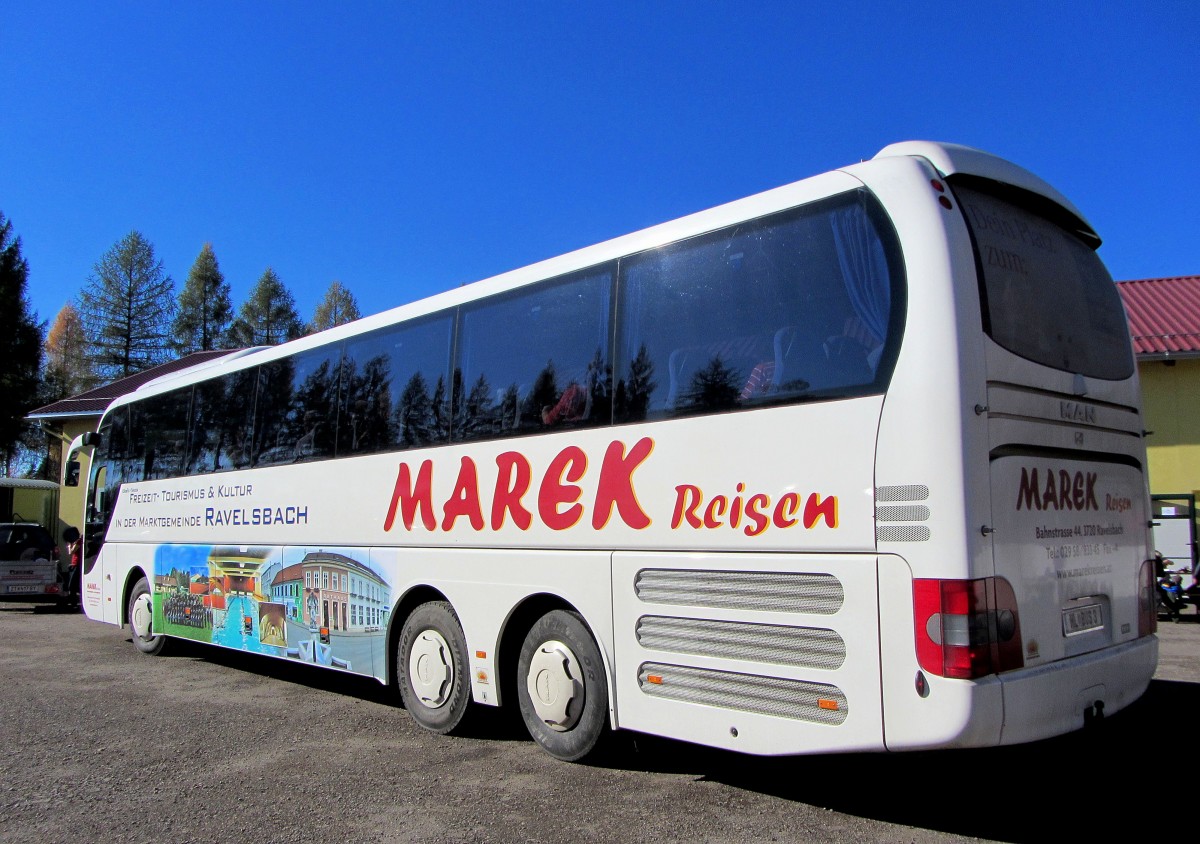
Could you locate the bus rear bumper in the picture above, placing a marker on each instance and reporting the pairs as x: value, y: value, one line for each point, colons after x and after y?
x: 1058, y: 698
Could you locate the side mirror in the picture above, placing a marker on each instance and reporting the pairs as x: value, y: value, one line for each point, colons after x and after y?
x: 92, y: 438
x: 72, y: 475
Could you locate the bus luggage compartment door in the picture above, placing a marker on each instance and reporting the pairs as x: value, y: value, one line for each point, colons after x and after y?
x: 767, y: 654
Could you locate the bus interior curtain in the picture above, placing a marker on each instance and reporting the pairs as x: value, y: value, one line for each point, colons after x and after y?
x: 864, y: 268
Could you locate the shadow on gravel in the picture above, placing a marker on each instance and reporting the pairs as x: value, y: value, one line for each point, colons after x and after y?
x: 484, y: 722
x: 39, y: 609
x: 1078, y: 787
x: 1065, y: 788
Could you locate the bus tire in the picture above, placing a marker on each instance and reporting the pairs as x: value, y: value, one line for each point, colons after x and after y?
x: 561, y: 686
x: 432, y: 668
x: 140, y: 612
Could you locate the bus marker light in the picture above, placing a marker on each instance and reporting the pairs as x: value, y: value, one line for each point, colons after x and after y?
x: 827, y: 703
x: 937, y: 186
x: 945, y: 203
x: 481, y: 654
x: 656, y: 679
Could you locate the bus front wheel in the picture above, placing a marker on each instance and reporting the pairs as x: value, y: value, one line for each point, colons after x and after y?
x: 431, y: 664
x: 561, y: 686
x: 140, y: 612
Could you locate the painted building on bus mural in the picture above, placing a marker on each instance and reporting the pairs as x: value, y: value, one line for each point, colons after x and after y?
x: 315, y: 606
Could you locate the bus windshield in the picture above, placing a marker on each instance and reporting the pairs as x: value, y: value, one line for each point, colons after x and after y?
x: 1046, y: 295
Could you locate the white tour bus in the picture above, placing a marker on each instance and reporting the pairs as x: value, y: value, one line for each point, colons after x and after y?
x: 853, y: 464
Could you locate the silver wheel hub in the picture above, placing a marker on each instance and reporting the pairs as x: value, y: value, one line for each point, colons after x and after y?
x: 555, y: 685
x: 431, y: 668
x: 141, y: 619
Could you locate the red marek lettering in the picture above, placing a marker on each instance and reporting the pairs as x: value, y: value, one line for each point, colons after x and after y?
x: 464, y: 501
x: 408, y: 498
x: 512, y: 482
x: 570, y: 465
x: 616, y: 485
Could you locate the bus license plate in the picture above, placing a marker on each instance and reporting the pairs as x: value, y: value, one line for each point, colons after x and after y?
x: 1082, y: 619
x: 33, y: 588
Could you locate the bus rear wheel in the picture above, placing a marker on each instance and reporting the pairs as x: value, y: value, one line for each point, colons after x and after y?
x: 561, y: 686
x: 140, y: 612
x: 431, y: 668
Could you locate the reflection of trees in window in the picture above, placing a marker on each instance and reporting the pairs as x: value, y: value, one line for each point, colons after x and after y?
x: 134, y: 460
x: 476, y: 418
x: 456, y: 403
x: 441, y: 416
x: 510, y: 408
x: 274, y: 400
x: 166, y: 424
x: 544, y: 393
x: 599, y: 390
x: 633, y: 392
x: 221, y: 423
x: 714, y: 387
x: 415, y: 421
x: 366, y: 425
x: 312, y: 416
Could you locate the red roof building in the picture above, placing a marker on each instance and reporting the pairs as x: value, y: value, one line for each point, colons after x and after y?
x: 1164, y: 316
x: 1164, y: 319
x: 93, y: 403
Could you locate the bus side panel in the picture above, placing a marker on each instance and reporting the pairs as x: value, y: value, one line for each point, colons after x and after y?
x: 763, y: 654
x: 950, y: 713
x: 485, y: 586
x: 91, y: 587
x: 102, y: 585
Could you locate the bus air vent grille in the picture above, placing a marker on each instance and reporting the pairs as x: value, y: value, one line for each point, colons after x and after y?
x: 903, y: 513
x: 747, y: 590
x: 903, y: 533
x: 803, y: 647
x: 817, y: 702
x: 910, y: 492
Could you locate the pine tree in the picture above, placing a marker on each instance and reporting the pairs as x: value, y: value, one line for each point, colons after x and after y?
x: 714, y: 387
x: 127, y: 307
x: 337, y: 308
x: 20, y: 346
x: 269, y: 316
x: 68, y: 370
x: 205, y: 308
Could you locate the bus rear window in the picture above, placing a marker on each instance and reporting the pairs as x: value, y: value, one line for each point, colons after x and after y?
x: 1046, y: 295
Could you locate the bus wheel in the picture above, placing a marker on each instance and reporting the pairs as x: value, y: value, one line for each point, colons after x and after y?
x: 141, y: 619
x: 561, y: 686
x: 431, y: 664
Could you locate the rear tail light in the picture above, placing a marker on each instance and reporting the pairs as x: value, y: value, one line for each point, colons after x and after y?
x: 967, y: 628
x: 1147, y: 600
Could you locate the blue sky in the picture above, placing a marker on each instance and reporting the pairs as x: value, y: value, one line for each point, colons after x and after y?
x: 407, y: 148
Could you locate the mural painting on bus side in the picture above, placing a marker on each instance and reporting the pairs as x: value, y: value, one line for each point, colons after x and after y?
x: 325, y: 607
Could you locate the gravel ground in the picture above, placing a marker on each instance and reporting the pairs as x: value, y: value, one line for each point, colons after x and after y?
x: 100, y: 742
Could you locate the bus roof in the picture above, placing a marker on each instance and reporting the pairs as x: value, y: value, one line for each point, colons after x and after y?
x: 951, y: 159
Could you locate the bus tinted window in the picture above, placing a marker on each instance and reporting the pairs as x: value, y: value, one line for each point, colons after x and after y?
x: 395, y: 388
x: 536, y: 360
x: 163, y: 433
x: 794, y: 307
x: 295, y: 417
x: 1047, y: 296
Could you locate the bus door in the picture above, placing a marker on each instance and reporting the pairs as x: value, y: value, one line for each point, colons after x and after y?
x: 98, y: 587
